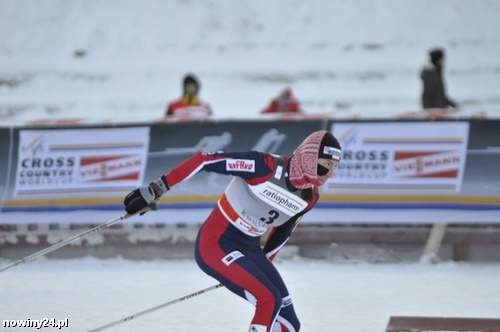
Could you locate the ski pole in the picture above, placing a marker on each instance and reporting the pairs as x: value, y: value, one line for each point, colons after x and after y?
x: 62, y: 243
x: 140, y: 313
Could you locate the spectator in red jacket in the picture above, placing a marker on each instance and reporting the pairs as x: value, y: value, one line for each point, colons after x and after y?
x: 189, y: 105
x: 284, y: 103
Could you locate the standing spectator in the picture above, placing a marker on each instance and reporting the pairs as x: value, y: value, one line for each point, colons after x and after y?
x: 434, y: 91
x: 284, y: 103
x: 189, y: 105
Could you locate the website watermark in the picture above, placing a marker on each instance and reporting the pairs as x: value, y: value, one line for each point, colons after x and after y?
x: 36, y: 323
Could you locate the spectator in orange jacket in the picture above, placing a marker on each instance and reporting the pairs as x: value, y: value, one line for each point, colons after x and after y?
x: 189, y: 105
x: 284, y: 103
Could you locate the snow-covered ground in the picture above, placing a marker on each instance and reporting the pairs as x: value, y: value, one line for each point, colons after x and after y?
x: 328, y: 296
x: 342, y: 57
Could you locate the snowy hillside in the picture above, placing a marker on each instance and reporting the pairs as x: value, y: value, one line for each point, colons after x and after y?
x: 123, y: 60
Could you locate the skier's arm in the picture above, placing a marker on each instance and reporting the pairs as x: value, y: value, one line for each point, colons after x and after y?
x: 254, y: 167
x: 251, y: 166
x: 279, y: 236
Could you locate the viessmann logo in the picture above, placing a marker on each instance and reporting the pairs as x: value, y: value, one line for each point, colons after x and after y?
x: 110, y: 168
x: 242, y: 165
x: 427, y: 164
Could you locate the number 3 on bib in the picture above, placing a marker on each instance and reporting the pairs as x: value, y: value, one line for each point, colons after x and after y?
x: 273, y: 214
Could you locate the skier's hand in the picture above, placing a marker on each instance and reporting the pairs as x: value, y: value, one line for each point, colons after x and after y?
x: 138, y: 199
x: 144, y: 197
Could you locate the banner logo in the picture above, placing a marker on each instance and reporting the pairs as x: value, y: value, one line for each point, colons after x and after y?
x: 425, y: 164
x: 114, y: 168
x: 400, y: 156
x: 80, y: 161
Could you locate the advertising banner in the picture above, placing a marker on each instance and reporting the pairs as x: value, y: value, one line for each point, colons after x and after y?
x: 76, y: 161
x: 391, y: 171
x: 6, y: 160
x: 401, y: 156
x: 482, y: 172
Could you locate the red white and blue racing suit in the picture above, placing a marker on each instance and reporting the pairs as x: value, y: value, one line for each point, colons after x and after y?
x: 258, y: 198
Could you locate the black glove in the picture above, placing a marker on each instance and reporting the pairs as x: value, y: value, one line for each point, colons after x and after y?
x: 144, y: 197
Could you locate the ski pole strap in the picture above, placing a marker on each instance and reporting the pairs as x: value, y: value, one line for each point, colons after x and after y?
x: 144, y: 312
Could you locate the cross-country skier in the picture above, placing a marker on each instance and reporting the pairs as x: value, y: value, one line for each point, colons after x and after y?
x: 267, y: 192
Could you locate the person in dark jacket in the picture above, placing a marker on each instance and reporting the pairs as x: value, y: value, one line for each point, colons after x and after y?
x: 434, y: 90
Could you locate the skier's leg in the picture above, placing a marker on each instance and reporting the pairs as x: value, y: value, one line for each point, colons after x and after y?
x: 219, y: 254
